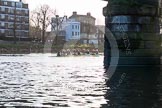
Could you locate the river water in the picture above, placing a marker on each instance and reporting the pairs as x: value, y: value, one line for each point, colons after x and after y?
x: 43, y: 80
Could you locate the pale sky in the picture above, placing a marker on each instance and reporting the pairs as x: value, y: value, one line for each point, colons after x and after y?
x: 66, y: 7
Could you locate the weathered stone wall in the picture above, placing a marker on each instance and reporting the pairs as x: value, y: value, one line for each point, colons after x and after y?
x: 135, y: 26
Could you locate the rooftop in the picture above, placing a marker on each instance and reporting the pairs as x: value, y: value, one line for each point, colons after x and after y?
x: 77, y: 15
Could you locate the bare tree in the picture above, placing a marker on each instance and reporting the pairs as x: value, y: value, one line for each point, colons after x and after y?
x: 42, y: 19
x: 35, y: 33
x: 35, y: 28
x: 57, y: 25
x: 88, y: 31
x: 45, y: 13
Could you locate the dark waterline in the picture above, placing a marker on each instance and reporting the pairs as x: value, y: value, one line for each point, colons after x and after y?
x: 47, y: 81
x: 136, y: 87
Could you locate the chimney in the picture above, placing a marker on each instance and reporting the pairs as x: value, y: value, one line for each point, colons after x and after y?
x: 88, y: 14
x: 57, y: 16
x: 74, y: 13
x: 65, y: 17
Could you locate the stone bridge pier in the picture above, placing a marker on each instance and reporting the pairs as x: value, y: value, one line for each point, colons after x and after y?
x: 135, y: 25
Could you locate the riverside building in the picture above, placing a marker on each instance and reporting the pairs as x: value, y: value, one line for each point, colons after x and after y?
x: 14, y: 20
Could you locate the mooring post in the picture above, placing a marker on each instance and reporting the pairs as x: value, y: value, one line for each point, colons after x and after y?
x: 135, y: 24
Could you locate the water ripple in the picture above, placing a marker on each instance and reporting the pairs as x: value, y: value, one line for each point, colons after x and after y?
x: 49, y: 81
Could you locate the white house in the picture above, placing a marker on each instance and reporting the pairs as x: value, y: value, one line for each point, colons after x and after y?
x: 70, y: 26
x: 72, y: 29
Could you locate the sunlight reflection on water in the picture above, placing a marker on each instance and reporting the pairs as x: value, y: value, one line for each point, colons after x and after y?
x: 43, y: 80
x: 46, y: 81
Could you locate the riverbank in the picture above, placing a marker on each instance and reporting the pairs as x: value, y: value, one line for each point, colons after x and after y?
x: 27, y: 48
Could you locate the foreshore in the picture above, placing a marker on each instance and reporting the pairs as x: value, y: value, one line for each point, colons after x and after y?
x: 26, y: 48
x: 29, y: 48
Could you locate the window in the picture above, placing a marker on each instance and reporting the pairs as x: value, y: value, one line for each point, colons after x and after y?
x: 72, y: 26
x: 5, y: 3
x: 18, y: 18
x: 26, y: 19
x: 26, y: 11
x: 10, y: 25
x: 18, y: 26
x: 18, y: 11
x: 19, y: 5
x: 13, y: 4
x: 2, y: 24
x: 27, y: 27
x: 78, y: 33
x: 12, y: 18
x: 25, y: 6
x: 10, y: 32
x: 2, y: 31
x: 75, y: 33
x: 75, y: 26
x: 26, y: 33
x: 2, y: 9
x: 2, y: 16
x: 72, y: 33
x: 10, y: 10
x: 18, y: 33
